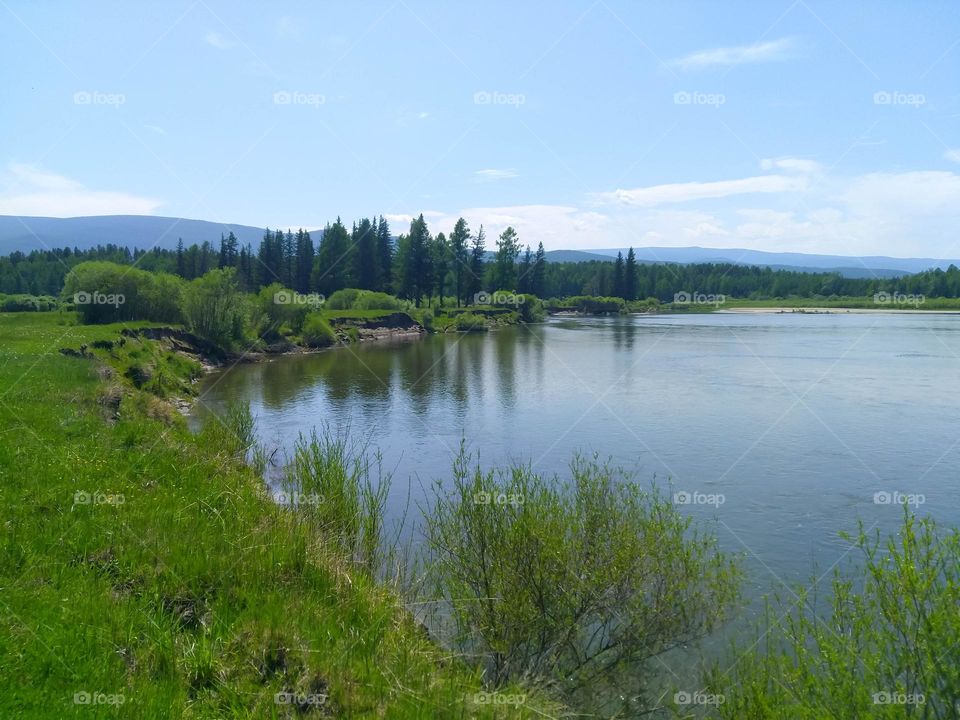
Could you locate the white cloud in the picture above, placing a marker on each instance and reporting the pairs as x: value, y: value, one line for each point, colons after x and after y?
x: 738, y: 55
x: 791, y: 164
x: 215, y: 39
x: 953, y: 155
x: 29, y: 190
x: 685, y: 192
x: 496, y: 174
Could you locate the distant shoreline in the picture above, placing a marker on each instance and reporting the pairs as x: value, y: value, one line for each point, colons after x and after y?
x: 834, y: 311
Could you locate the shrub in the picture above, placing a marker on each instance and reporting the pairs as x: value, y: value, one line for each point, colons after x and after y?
x: 893, y: 631
x: 531, y: 309
x: 342, y: 299
x: 471, y: 322
x: 575, y: 581
x: 105, y: 292
x: 317, y: 332
x: 276, y: 306
x: 28, y: 303
x: 215, y: 309
x: 370, y: 300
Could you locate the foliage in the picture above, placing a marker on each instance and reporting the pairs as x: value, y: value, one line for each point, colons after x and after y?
x: 215, y: 309
x: 343, y: 489
x: 886, y: 647
x: 107, y: 292
x: 577, y: 581
x: 28, y: 303
x: 589, y: 304
x: 146, y: 561
x: 471, y: 322
x: 317, y: 332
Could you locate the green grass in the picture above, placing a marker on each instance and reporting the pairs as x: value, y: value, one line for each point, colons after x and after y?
x: 339, y: 315
x: 196, y: 596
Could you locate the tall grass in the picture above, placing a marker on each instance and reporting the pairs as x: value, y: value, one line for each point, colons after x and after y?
x: 343, y: 489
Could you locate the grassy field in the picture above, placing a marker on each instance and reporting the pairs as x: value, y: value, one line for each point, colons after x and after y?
x: 146, y: 574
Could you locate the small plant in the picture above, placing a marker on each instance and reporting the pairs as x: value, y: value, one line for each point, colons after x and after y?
x: 317, y: 332
x: 577, y: 582
x: 471, y: 322
x: 886, y: 646
x: 344, y: 490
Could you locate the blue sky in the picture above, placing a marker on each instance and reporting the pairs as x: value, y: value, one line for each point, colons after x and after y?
x: 807, y: 126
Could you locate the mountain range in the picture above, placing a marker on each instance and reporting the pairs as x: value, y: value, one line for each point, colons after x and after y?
x: 145, y: 231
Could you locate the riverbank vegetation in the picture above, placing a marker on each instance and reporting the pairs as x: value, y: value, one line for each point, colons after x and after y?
x: 452, y: 269
x: 148, y: 570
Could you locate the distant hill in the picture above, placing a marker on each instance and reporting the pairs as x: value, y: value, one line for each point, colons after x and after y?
x: 142, y: 231
x: 147, y: 231
x: 850, y: 266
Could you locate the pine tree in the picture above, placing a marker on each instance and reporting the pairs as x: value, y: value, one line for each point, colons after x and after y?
x: 526, y: 267
x: 440, y: 264
x: 366, y: 262
x: 505, y: 263
x: 538, y: 286
x: 415, y: 262
x: 181, y: 266
x: 460, y: 256
x: 385, y: 252
x: 477, y: 252
x: 304, y: 262
x: 630, y: 276
x: 332, y: 270
x: 619, y: 284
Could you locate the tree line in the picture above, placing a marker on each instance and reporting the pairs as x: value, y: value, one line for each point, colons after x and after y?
x: 419, y: 265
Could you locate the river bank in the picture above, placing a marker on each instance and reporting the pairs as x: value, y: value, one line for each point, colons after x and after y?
x: 176, y: 586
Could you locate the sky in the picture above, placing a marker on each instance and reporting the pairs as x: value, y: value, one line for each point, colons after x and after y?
x: 806, y: 126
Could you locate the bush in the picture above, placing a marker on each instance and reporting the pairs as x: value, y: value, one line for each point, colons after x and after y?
x: 105, y: 292
x: 471, y: 322
x: 28, y: 303
x: 277, y: 306
x: 317, y: 332
x: 893, y: 631
x: 215, y: 309
x: 342, y: 299
x: 531, y: 309
x: 577, y: 582
x: 370, y: 300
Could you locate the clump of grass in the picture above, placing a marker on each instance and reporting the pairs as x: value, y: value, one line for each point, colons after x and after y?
x: 471, y: 322
x: 343, y: 489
